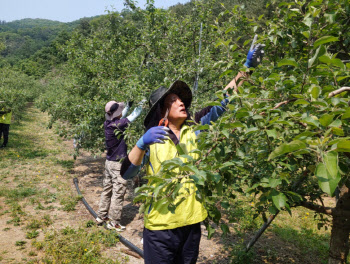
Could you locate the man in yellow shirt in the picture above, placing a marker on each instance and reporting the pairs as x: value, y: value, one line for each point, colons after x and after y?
x: 5, y: 121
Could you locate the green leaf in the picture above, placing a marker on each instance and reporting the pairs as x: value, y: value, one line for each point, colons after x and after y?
x: 215, y: 177
x: 273, y: 210
x: 226, y: 133
x: 279, y: 199
x: 257, y: 117
x: 242, y: 114
x: 233, y: 125
x: 271, y: 133
x: 311, y: 121
x: 337, y: 131
x: 307, y: 21
x: 225, y: 229
x: 182, y: 149
x: 287, y: 148
x: 227, y: 164
x: 274, y: 76
x: 199, y: 179
x: 325, y: 181
x: 346, y: 114
x: 330, y: 159
x: 330, y: 18
x: 203, y: 127
x: 176, y: 162
x: 326, y: 119
x: 301, y: 101
x: 225, y: 73
x: 324, y: 40
x: 304, y: 135
x: 337, y: 63
x: 336, y: 123
x: 158, y: 189
x: 335, y: 101
x: 294, y: 196
x: 315, y: 92
x: 306, y: 34
x: 319, y: 52
x: 289, y: 62
x: 229, y: 30
x: 210, y: 230
x: 274, y: 182
x: 251, y: 130
x: 343, y: 146
x: 300, y: 96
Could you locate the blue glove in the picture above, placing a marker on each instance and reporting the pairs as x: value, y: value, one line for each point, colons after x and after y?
x: 137, y: 111
x: 255, y: 54
x: 153, y: 135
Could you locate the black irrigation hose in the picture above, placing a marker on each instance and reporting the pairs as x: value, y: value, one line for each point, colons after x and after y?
x: 92, y: 212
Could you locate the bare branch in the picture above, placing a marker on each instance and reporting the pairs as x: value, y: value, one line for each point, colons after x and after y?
x: 343, y: 89
x: 284, y: 102
x: 318, y: 208
x: 326, y: 210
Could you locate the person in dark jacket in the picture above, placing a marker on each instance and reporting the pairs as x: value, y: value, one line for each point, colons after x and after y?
x: 114, y: 186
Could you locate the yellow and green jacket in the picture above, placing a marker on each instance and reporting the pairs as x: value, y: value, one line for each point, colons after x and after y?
x: 5, y: 118
x: 190, y: 211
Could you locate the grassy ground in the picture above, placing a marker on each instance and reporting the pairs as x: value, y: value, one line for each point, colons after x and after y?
x: 289, y: 239
x: 38, y: 220
x: 39, y: 223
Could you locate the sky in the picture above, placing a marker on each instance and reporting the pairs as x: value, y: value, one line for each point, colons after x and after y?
x: 67, y: 10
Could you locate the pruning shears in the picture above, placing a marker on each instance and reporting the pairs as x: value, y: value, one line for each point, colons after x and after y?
x: 164, y: 121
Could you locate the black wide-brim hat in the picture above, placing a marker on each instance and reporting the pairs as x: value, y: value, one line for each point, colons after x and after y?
x: 179, y: 88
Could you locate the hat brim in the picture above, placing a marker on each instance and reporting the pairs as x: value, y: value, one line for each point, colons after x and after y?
x: 179, y: 88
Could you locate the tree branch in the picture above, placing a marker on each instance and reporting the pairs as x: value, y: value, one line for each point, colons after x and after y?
x: 284, y: 102
x: 343, y: 89
x: 317, y: 208
x: 325, y: 210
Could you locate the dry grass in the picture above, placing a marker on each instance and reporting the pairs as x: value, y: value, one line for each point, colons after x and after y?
x: 37, y: 200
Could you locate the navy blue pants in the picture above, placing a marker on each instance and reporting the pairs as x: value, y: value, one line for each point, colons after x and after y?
x: 172, y: 246
x: 4, y: 131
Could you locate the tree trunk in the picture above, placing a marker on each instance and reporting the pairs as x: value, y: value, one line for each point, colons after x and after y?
x: 339, y: 244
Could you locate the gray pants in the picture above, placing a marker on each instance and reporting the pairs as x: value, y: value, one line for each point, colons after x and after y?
x: 112, y: 196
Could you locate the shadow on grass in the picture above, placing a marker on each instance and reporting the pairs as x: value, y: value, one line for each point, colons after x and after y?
x: 310, y: 242
x: 24, y: 146
x: 69, y: 164
x: 277, y: 245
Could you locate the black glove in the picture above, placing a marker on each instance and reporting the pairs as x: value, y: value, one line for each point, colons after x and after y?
x: 130, y: 103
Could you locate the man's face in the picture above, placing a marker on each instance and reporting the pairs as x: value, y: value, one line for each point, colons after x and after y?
x: 177, y: 109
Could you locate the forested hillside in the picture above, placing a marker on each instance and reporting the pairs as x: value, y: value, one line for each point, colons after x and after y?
x: 284, y: 139
x: 23, y: 38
